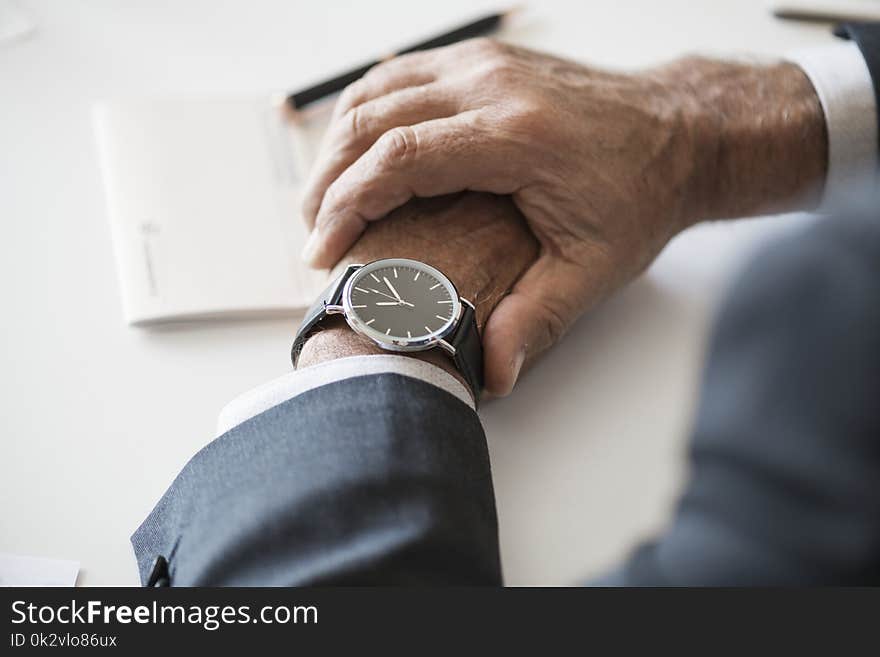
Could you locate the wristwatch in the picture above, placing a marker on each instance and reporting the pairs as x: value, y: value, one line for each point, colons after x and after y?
x: 402, y: 305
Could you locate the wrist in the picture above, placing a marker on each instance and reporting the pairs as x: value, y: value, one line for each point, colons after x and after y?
x: 335, y: 339
x: 758, y: 138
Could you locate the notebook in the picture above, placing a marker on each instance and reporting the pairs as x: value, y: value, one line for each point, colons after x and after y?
x: 203, y: 199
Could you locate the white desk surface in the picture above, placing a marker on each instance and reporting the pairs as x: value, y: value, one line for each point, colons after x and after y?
x: 97, y: 418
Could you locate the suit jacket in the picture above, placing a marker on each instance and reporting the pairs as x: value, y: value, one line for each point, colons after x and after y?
x: 384, y: 479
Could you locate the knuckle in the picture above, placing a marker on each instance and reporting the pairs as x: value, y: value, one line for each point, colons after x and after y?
x: 381, y: 70
x: 354, y: 124
x: 500, y: 55
x: 530, y: 120
x: 397, y: 147
x: 498, y: 72
x: 502, y: 68
x: 554, y: 326
x: 529, y: 114
x: 351, y: 95
x: 395, y: 65
x: 328, y: 205
x: 484, y: 46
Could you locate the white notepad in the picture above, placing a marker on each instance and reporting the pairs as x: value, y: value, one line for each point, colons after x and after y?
x: 203, y: 198
x: 19, y: 570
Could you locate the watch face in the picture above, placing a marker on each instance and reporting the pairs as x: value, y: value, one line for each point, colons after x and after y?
x: 401, y: 304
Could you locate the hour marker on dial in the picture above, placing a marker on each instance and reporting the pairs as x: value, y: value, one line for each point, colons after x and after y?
x: 445, y: 301
x: 441, y: 317
x: 433, y: 286
x: 370, y: 321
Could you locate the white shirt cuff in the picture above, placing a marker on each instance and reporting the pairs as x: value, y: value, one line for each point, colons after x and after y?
x: 842, y: 81
x: 270, y: 394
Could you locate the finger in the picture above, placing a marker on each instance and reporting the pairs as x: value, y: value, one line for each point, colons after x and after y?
x: 410, y: 70
x: 534, y: 316
x: 353, y: 133
x: 414, y: 69
x: 436, y: 157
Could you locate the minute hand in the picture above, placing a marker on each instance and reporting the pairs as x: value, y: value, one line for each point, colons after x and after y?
x: 391, y: 287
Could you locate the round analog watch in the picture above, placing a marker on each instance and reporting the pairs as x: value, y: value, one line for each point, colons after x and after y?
x: 402, y: 305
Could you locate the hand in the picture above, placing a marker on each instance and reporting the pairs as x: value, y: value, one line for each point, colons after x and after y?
x: 605, y: 167
x: 459, y: 235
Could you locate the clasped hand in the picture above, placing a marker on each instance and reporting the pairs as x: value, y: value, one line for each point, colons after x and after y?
x: 604, y: 168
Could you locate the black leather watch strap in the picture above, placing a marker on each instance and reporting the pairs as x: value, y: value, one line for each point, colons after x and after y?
x: 469, y: 350
x: 331, y: 296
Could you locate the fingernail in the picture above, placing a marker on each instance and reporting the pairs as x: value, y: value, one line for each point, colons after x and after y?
x: 310, y: 248
x: 516, y: 365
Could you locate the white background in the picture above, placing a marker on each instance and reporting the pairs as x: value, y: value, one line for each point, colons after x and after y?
x: 97, y: 418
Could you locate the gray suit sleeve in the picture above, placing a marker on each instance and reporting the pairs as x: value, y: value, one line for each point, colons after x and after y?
x: 785, y: 485
x: 378, y: 479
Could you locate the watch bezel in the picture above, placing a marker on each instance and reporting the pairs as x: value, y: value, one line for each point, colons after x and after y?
x: 394, y: 343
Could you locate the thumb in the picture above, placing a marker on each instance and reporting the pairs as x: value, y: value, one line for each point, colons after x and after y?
x: 535, y: 315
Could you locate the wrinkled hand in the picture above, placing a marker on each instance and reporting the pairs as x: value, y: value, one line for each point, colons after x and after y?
x: 605, y: 167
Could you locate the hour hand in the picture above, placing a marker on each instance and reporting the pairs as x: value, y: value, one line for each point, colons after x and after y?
x: 395, y: 303
x: 385, y: 303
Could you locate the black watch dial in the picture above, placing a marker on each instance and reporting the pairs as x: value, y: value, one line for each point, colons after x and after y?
x: 401, y: 301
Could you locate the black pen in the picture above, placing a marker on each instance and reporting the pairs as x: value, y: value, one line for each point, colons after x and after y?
x: 479, y: 27
x: 814, y: 15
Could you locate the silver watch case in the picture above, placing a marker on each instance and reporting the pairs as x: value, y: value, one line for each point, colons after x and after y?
x: 389, y: 343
